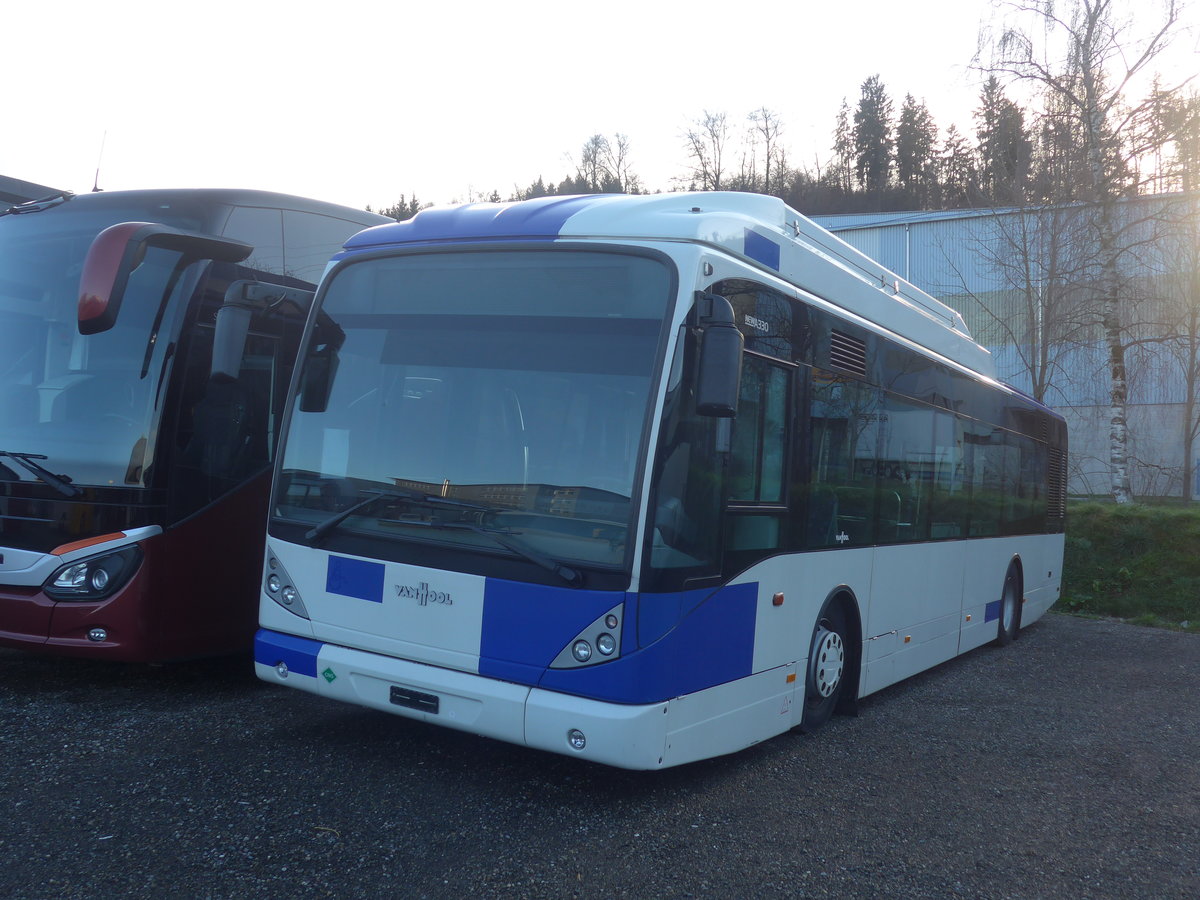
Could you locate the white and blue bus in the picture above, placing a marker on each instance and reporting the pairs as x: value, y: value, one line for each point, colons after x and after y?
x: 643, y: 480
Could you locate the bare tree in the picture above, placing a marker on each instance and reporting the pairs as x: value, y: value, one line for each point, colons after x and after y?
x: 1085, y: 57
x: 1039, y: 259
x: 706, y: 141
x: 592, y: 169
x: 765, y: 128
x: 616, y: 161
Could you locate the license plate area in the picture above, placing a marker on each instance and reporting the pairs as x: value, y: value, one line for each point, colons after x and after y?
x: 418, y: 700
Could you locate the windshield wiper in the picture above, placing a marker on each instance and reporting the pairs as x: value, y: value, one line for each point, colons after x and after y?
x: 321, y: 529
x: 573, y: 577
x: 60, y: 483
x: 38, y: 205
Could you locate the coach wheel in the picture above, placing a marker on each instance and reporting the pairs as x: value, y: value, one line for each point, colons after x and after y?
x: 1010, y: 608
x: 826, y: 673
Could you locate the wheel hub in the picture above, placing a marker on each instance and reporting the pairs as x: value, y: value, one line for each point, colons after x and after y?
x: 828, y: 660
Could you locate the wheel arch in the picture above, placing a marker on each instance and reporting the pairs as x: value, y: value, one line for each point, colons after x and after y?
x: 844, y: 597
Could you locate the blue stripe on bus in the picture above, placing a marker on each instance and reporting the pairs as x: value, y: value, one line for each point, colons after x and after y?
x: 543, y: 217
x: 355, y: 578
x: 761, y: 249
x: 300, y: 654
x: 525, y: 626
x: 712, y: 644
x: 992, y: 613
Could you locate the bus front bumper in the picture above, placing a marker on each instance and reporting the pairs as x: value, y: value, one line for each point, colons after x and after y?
x: 628, y: 736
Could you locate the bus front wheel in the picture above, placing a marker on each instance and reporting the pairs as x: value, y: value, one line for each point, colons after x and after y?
x: 1010, y: 608
x: 825, y: 674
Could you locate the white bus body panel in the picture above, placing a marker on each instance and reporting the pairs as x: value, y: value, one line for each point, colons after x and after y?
x: 709, y: 723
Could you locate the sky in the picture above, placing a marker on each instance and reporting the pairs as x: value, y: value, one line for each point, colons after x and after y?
x: 361, y: 101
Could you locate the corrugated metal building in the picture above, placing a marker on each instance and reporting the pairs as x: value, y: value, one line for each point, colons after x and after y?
x: 1021, y: 280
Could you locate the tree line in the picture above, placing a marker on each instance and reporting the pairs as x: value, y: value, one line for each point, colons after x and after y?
x: 1081, y: 146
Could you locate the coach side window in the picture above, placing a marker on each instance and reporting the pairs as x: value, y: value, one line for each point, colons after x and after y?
x: 263, y: 228
x: 311, y: 241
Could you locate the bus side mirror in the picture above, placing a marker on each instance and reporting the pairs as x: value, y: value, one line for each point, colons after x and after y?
x: 118, y: 250
x: 320, y: 365
x: 243, y: 300
x: 720, y: 379
x: 316, y: 382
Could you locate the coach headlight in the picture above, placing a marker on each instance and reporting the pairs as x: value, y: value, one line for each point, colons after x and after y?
x: 94, y: 578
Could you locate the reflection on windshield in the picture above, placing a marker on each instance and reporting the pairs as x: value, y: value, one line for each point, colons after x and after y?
x: 513, y: 385
x: 80, y: 400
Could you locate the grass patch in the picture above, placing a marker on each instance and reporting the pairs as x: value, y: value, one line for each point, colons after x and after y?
x: 1139, y: 563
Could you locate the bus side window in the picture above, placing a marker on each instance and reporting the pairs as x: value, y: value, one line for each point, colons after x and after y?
x: 906, y: 470
x: 984, y: 453
x: 843, y: 447
x: 951, y: 501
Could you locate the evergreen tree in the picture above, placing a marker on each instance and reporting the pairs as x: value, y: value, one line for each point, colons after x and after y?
x: 1005, y: 147
x: 873, y: 142
x: 958, y: 171
x: 403, y: 208
x: 916, y: 138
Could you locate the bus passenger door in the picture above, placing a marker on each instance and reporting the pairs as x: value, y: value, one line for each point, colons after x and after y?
x: 757, y: 525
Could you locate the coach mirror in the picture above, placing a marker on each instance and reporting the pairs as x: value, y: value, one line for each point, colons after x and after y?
x: 719, y: 381
x: 119, y: 250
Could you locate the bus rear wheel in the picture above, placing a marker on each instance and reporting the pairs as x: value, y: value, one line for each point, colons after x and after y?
x: 825, y: 674
x: 1010, y: 608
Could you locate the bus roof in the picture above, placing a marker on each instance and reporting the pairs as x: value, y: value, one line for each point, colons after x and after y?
x: 223, y: 196
x: 761, y: 230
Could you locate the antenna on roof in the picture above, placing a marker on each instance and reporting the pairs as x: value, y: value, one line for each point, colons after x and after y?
x: 100, y: 159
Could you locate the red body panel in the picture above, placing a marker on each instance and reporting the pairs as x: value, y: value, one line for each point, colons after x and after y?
x: 195, y: 594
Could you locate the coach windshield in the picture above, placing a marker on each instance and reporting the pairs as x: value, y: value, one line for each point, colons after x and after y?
x: 82, y: 405
x: 493, y: 402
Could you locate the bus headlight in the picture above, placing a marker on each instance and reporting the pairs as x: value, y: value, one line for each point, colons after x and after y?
x: 600, y: 642
x: 94, y: 578
x: 278, y: 585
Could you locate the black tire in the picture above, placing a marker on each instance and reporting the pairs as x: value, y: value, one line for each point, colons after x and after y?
x: 1009, y: 623
x: 826, y: 672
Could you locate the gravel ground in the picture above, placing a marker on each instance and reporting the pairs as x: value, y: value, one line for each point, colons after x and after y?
x: 1064, y: 766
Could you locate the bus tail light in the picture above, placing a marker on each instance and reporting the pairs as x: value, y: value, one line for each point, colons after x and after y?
x: 94, y: 578
x: 278, y: 585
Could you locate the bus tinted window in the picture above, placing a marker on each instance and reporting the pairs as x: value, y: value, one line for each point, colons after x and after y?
x: 309, y: 238
x: 843, y: 441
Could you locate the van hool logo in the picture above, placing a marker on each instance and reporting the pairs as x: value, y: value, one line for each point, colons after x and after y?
x: 423, y: 595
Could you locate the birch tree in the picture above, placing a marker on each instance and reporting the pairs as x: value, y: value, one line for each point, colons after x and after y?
x: 1085, y: 56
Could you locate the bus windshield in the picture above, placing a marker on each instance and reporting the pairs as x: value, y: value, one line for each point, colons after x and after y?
x: 491, y: 401
x: 85, y: 403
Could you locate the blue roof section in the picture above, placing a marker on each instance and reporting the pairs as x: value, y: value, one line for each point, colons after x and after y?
x: 539, y: 218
